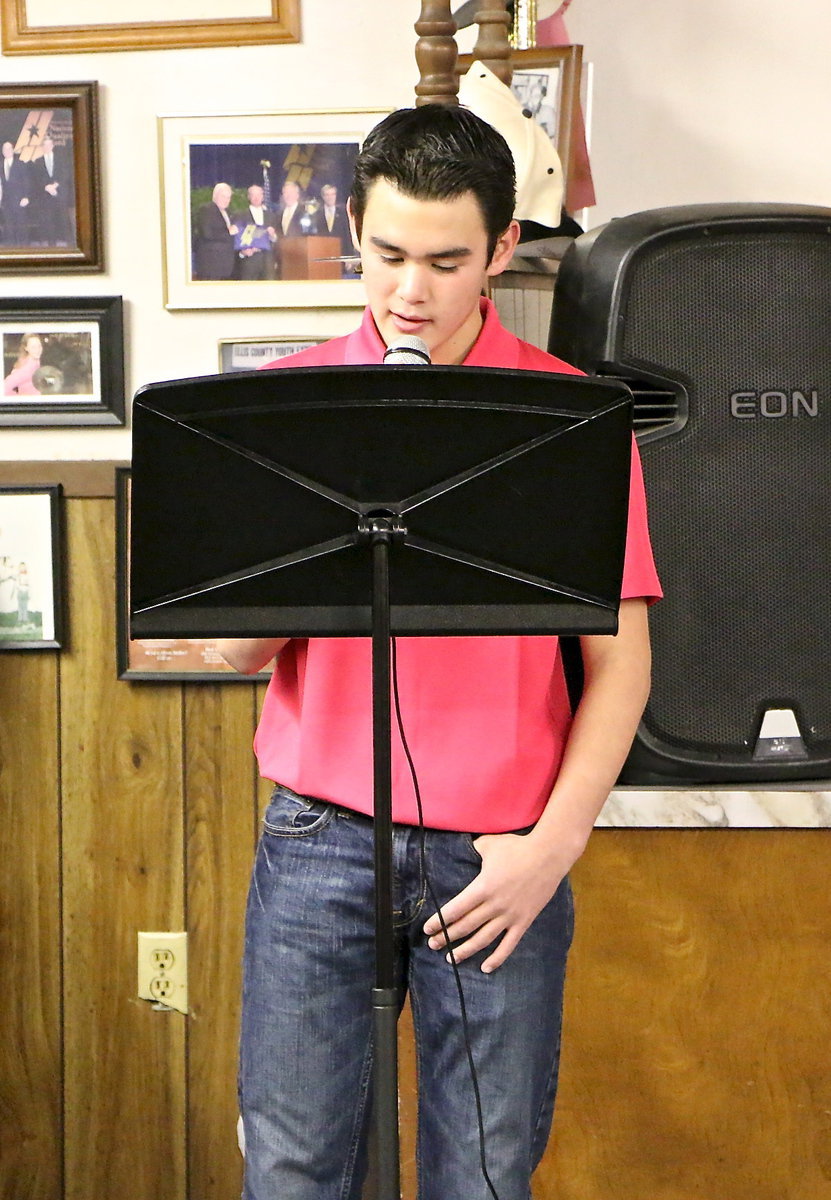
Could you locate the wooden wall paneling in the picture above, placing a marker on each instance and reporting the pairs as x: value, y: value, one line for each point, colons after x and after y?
x: 31, y: 1135
x: 695, y: 1055
x: 407, y: 1101
x: 264, y: 786
x: 697, y: 1009
x: 221, y: 793
x: 122, y: 855
x: 86, y: 478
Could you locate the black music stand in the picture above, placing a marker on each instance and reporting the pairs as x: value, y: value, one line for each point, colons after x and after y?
x: 329, y: 501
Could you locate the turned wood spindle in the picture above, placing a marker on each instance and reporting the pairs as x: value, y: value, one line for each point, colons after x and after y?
x: 436, y: 54
x: 493, y: 47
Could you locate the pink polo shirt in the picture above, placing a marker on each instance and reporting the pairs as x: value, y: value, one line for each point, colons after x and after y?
x: 486, y: 718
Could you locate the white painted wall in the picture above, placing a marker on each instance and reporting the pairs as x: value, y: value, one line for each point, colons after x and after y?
x: 351, y: 56
x: 694, y: 100
x: 707, y: 101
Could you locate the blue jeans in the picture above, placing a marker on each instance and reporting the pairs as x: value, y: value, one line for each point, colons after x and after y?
x: 306, y: 1046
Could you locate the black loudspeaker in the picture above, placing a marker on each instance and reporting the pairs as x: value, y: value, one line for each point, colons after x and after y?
x: 719, y: 319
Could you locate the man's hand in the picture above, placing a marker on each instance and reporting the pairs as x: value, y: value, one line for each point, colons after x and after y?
x: 249, y: 655
x: 519, y: 876
x: 521, y: 872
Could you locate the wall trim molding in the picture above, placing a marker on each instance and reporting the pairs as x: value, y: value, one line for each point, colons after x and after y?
x: 89, y: 478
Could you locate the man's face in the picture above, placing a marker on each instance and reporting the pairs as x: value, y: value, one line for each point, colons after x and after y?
x: 255, y: 196
x: 291, y: 194
x: 329, y: 196
x: 8, y: 149
x: 425, y: 263
x: 222, y: 196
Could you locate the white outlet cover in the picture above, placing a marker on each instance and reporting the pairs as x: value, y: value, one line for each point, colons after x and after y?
x: 163, y: 969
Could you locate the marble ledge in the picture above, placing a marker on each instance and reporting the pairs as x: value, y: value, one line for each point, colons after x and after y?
x: 718, y: 808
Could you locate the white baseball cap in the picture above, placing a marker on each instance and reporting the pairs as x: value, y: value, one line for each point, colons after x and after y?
x: 539, y: 173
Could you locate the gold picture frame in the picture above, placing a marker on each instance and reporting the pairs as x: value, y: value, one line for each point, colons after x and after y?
x: 130, y: 32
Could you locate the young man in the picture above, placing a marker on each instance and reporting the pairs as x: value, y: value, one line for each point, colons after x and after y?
x: 510, y: 785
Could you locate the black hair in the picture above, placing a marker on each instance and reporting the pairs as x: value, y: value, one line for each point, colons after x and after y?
x: 438, y: 152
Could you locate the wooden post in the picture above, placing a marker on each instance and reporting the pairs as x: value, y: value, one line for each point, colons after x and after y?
x: 492, y: 46
x: 436, y: 54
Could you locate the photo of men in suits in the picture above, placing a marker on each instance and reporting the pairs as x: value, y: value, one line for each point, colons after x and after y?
x: 255, y: 238
x: 276, y: 196
x: 52, y: 191
x: 333, y: 219
x: 213, y: 240
x: 14, y: 198
x: 293, y: 218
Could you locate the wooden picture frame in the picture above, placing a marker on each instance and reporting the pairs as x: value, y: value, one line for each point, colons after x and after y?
x: 203, y: 257
x: 552, y: 75
x: 159, y: 660
x: 63, y: 361
x: 50, y: 207
x: 31, y: 602
x: 130, y: 30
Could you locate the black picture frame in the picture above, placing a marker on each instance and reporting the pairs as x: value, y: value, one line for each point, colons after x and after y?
x: 79, y: 376
x: 31, y: 568
x: 159, y: 660
x: 51, y: 223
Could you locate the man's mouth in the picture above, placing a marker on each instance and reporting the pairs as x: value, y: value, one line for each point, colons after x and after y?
x: 404, y: 322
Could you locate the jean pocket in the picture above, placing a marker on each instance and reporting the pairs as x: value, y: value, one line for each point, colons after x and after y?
x: 469, y: 840
x: 472, y: 838
x: 291, y: 815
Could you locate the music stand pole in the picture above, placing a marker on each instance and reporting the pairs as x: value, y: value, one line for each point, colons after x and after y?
x: 385, y: 998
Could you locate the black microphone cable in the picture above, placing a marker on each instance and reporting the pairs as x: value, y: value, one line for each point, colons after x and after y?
x: 410, y: 350
x: 474, y: 1078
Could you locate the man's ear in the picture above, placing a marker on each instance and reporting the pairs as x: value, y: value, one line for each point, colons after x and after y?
x: 503, y: 252
x: 356, y: 236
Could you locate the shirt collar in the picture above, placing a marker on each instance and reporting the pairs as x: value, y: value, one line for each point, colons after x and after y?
x: 494, y: 347
x: 365, y: 346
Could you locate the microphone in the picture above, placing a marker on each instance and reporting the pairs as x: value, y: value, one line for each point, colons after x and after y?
x: 408, y: 351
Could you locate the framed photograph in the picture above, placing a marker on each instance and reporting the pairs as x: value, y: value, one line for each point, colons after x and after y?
x: 42, y: 26
x: 63, y: 361
x: 546, y: 80
x: 175, y: 660
x: 247, y: 356
x: 254, y: 209
x: 50, y: 189
x: 30, y: 568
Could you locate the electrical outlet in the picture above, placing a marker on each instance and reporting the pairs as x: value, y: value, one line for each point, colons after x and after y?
x: 163, y: 969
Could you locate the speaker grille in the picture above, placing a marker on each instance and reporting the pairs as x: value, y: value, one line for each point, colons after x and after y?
x: 740, y: 497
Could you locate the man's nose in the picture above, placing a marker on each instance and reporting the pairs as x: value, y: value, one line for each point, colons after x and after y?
x: 413, y: 282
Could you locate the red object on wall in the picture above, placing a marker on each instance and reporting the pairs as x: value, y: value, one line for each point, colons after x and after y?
x: 551, y: 31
